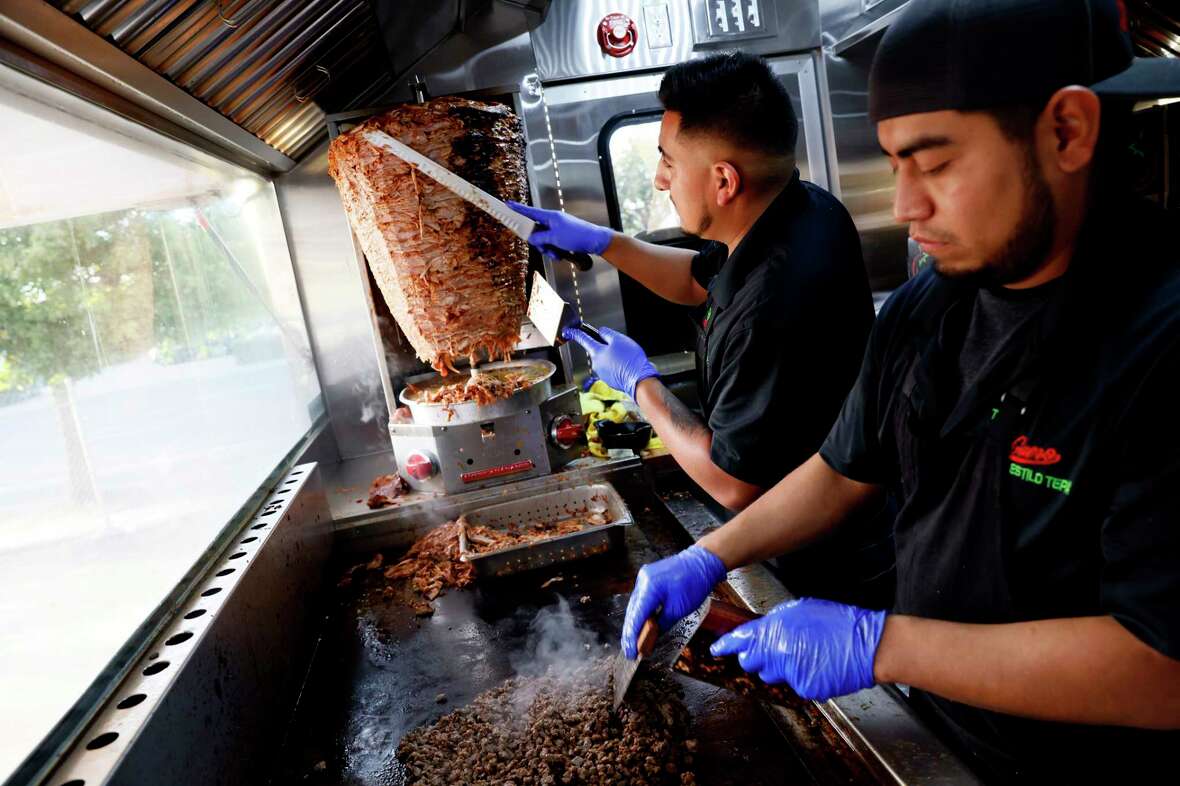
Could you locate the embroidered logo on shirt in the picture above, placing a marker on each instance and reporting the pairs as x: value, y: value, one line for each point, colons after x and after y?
x: 1024, y: 456
x: 1031, y: 455
x: 708, y: 316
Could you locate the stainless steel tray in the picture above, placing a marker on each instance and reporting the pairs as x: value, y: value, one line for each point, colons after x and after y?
x: 554, y: 505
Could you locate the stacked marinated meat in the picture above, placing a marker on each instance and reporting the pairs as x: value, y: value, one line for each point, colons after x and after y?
x: 452, y: 276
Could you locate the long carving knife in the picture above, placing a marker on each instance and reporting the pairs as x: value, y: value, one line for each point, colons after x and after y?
x: 521, y: 226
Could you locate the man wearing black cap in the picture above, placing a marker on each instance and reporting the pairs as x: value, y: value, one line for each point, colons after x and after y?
x: 1019, y: 396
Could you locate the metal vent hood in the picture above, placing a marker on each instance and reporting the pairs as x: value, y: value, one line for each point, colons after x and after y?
x: 264, y: 64
x: 274, y: 68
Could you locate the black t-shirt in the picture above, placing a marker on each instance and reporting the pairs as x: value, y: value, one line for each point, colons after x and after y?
x: 1049, y: 485
x: 997, y: 316
x: 781, y: 333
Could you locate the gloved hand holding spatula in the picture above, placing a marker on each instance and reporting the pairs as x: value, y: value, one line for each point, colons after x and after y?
x: 674, y: 587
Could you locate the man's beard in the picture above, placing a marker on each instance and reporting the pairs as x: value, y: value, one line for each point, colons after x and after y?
x: 1028, y: 247
x: 703, y: 225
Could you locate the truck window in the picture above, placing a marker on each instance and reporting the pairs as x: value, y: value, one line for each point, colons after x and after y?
x: 154, y: 369
x: 633, y: 152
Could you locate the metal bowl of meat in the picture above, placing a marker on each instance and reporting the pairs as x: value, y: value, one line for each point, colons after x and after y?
x: 543, y: 529
x: 496, y: 390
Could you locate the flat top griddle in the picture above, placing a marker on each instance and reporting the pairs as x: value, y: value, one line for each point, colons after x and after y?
x: 378, y: 671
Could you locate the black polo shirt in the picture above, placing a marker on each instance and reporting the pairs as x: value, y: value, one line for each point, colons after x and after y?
x: 1050, y: 487
x: 781, y: 333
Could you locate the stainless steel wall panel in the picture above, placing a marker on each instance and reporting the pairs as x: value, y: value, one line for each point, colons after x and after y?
x: 228, y: 664
x: 865, y: 179
x: 567, y: 47
x: 334, y: 306
x: 846, y: 22
x: 492, y: 53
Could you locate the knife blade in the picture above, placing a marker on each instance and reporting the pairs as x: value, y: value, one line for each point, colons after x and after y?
x: 697, y: 662
x: 678, y: 636
x: 521, y: 226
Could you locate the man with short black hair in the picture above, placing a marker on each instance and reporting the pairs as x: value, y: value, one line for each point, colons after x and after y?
x: 784, y: 303
x: 783, y: 261
x: 1019, y: 394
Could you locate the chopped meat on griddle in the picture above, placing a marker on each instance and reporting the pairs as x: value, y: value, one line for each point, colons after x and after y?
x: 558, y: 728
x: 432, y: 564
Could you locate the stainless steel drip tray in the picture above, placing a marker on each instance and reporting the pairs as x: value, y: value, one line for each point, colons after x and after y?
x: 580, y: 503
x: 417, y: 513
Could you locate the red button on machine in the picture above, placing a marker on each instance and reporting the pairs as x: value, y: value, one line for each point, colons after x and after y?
x: 617, y: 35
x: 565, y: 432
x: 419, y: 466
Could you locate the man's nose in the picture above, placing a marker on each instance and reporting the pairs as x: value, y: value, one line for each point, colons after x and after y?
x: 660, y: 181
x: 910, y: 201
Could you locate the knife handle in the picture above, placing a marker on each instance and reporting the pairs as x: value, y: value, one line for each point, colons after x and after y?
x: 580, y: 259
x: 647, y: 638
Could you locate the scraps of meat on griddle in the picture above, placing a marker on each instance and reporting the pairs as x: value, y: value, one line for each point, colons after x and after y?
x: 432, y: 564
x: 386, y: 489
x: 558, y: 728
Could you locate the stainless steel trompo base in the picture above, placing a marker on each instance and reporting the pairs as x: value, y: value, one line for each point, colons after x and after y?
x: 469, y: 455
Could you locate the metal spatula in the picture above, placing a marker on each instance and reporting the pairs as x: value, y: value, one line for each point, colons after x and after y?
x: 624, y: 671
x: 549, y: 313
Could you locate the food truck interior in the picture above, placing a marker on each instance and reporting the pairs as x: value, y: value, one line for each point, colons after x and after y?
x: 200, y: 380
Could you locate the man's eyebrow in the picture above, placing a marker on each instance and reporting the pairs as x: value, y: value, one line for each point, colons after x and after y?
x: 918, y: 145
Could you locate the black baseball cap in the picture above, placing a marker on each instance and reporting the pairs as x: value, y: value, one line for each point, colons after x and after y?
x: 980, y: 54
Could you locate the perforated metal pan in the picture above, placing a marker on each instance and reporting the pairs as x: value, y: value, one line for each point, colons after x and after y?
x: 552, y: 506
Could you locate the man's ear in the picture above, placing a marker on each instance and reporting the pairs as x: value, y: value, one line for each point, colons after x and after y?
x: 1069, y: 127
x: 728, y: 182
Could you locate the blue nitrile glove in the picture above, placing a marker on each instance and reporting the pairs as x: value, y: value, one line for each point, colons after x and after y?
x: 820, y: 648
x: 620, y: 362
x: 675, y: 587
x: 561, y: 230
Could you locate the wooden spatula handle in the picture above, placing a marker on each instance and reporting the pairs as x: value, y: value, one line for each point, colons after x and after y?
x: 724, y: 617
x: 647, y: 638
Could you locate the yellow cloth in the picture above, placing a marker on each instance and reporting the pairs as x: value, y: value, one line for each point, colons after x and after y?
x: 604, y: 392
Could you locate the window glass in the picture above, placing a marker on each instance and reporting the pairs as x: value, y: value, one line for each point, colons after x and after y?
x: 634, y: 154
x: 154, y: 368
